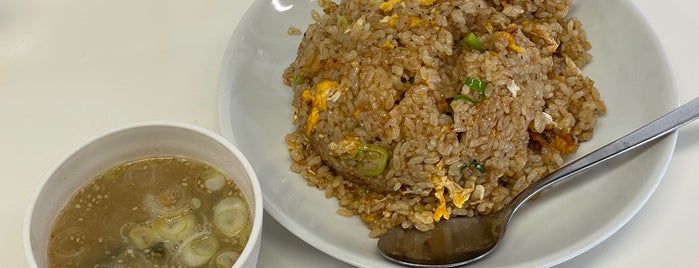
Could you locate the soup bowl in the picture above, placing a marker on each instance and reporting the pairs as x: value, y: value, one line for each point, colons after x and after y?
x: 134, y: 142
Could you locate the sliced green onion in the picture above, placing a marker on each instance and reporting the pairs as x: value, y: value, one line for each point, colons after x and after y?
x: 175, y: 229
x: 206, y: 246
x: 213, y: 179
x: 226, y: 259
x: 474, y: 164
x: 169, y: 203
x: 372, y: 159
x: 464, y: 97
x: 342, y: 23
x: 476, y: 83
x: 142, y: 237
x: 198, y: 249
x: 231, y: 216
x: 472, y: 41
x: 480, y: 167
x: 299, y: 79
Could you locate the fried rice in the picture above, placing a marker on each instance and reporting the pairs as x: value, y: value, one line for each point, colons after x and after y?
x: 414, y: 111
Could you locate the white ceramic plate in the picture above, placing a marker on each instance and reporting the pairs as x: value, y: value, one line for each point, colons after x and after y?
x: 629, y: 68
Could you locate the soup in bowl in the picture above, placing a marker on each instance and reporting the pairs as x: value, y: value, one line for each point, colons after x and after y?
x: 155, y: 194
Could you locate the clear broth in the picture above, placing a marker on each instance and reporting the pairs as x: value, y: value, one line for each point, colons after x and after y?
x: 153, y: 212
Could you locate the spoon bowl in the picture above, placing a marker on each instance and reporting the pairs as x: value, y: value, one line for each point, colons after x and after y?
x: 465, y: 240
x: 476, y: 237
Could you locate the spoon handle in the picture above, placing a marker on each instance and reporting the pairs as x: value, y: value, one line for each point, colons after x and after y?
x: 658, y: 128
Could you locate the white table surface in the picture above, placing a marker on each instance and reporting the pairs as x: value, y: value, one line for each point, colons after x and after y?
x: 73, y: 69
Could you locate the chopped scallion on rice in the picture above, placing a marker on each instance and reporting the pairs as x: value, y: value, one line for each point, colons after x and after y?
x: 371, y: 159
x: 474, y: 164
x: 298, y: 80
x: 472, y: 41
x: 477, y: 85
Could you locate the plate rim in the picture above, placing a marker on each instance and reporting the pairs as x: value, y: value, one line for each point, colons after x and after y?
x: 666, y: 144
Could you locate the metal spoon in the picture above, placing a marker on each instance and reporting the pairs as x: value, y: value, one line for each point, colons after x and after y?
x: 464, y: 240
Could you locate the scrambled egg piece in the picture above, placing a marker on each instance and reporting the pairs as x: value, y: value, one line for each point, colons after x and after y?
x: 388, y: 6
x: 489, y: 27
x: 416, y: 21
x: 388, y: 45
x: 458, y: 195
x: 346, y: 146
x: 438, y: 182
x: 441, y: 211
x: 391, y: 20
x: 312, y: 121
x: 511, y: 43
x: 544, y: 34
x: 318, y: 102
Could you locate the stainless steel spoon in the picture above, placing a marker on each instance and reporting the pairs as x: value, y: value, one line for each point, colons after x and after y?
x: 464, y: 240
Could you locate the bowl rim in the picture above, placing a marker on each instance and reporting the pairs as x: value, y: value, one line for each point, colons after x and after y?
x: 255, y: 235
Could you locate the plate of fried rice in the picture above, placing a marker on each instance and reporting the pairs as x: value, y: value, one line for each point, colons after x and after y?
x: 364, y: 115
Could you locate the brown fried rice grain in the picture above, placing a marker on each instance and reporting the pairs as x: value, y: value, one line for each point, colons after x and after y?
x: 391, y: 74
